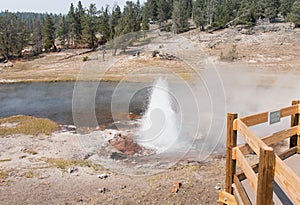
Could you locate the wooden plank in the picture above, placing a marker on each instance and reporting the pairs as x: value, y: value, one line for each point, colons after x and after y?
x: 272, y: 139
x: 241, y: 191
x: 254, y: 142
x: 264, y: 117
x: 236, y: 195
x: 279, y: 136
x: 256, y: 119
x: 288, y: 153
x: 241, y: 175
x: 294, y: 122
x: 243, y: 163
x: 230, y: 144
x: 288, y: 111
x: 227, y: 198
x: 288, y: 180
x: 265, y: 183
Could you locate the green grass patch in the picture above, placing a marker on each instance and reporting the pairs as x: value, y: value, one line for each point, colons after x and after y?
x: 22, y: 156
x: 64, y: 164
x: 27, y: 125
x: 5, y: 160
x: 3, y: 175
x: 32, y: 152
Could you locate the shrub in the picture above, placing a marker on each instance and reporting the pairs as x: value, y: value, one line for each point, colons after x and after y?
x: 231, y: 55
x: 85, y: 58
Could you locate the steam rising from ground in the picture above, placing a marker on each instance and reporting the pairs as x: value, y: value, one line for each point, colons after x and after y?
x: 254, y: 90
x: 198, y: 122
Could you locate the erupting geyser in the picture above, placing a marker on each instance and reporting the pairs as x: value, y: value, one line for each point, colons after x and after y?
x: 160, y: 127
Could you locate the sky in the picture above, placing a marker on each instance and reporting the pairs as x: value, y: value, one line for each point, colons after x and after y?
x: 54, y: 6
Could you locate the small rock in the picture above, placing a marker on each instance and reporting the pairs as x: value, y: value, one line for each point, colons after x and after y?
x: 6, y: 64
x: 71, y: 170
x: 103, y: 176
x: 68, y: 128
x: 176, y: 187
x: 118, y: 156
x: 103, y: 190
x: 218, y: 187
x: 123, y: 187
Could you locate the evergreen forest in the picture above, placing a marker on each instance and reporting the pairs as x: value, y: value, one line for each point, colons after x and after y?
x: 89, y: 27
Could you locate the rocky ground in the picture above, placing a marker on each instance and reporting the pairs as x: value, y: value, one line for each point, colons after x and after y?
x: 62, y: 169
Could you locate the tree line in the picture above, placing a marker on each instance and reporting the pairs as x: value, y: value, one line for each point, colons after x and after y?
x: 89, y: 27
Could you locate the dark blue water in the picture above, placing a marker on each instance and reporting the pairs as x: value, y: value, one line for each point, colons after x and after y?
x: 54, y: 100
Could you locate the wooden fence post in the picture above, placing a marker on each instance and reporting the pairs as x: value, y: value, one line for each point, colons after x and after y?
x: 294, y: 122
x: 230, y: 144
x: 265, y: 184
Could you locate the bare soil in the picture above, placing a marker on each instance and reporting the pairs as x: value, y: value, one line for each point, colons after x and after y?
x: 57, y: 169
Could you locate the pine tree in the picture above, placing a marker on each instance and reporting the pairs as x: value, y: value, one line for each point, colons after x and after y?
x: 71, y: 21
x: 176, y: 17
x: 189, y: 8
x: 104, y: 24
x: 199, y: 14
x: 127, y: 30
x: 13, y: 35
x: 90, y: 26
x: 180, y: 16
x: 79, y: 17
x: 37, y: 38
x: 139, y: 10
x: 170, y: 8
x: 63, y: 32
x: 285, y: 7
x: 49, y: 33
x: 162, y: 11
x: 145, y: 23
x: 151, y: 7
x: 249, y: 12
x: 222, y: 16
x: 294, y: 16
x: 272, y: 9
x: 130, y: 21
x: 22, y: 37
x: 113, y: 22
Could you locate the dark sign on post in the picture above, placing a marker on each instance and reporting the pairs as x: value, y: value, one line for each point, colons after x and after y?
x: 274, y: 117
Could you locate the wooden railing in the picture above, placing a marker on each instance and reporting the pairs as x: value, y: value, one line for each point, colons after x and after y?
x: 271, y: 166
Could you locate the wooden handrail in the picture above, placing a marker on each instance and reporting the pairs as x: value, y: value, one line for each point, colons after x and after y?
x: 247, y: 169
x: 288, y: 180
x: 264, y: 117
x: 288, y: 111
x: 253, y: 141
x: 256, y: 119
x: 240, y: 189
x: 270, y: 166
x: 272, y: 139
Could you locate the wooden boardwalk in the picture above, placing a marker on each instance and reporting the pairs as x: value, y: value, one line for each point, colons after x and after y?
x: 279, y: 196
x: 275, y: 179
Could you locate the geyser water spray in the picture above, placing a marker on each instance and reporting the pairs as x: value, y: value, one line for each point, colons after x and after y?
x: 160, y: 127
